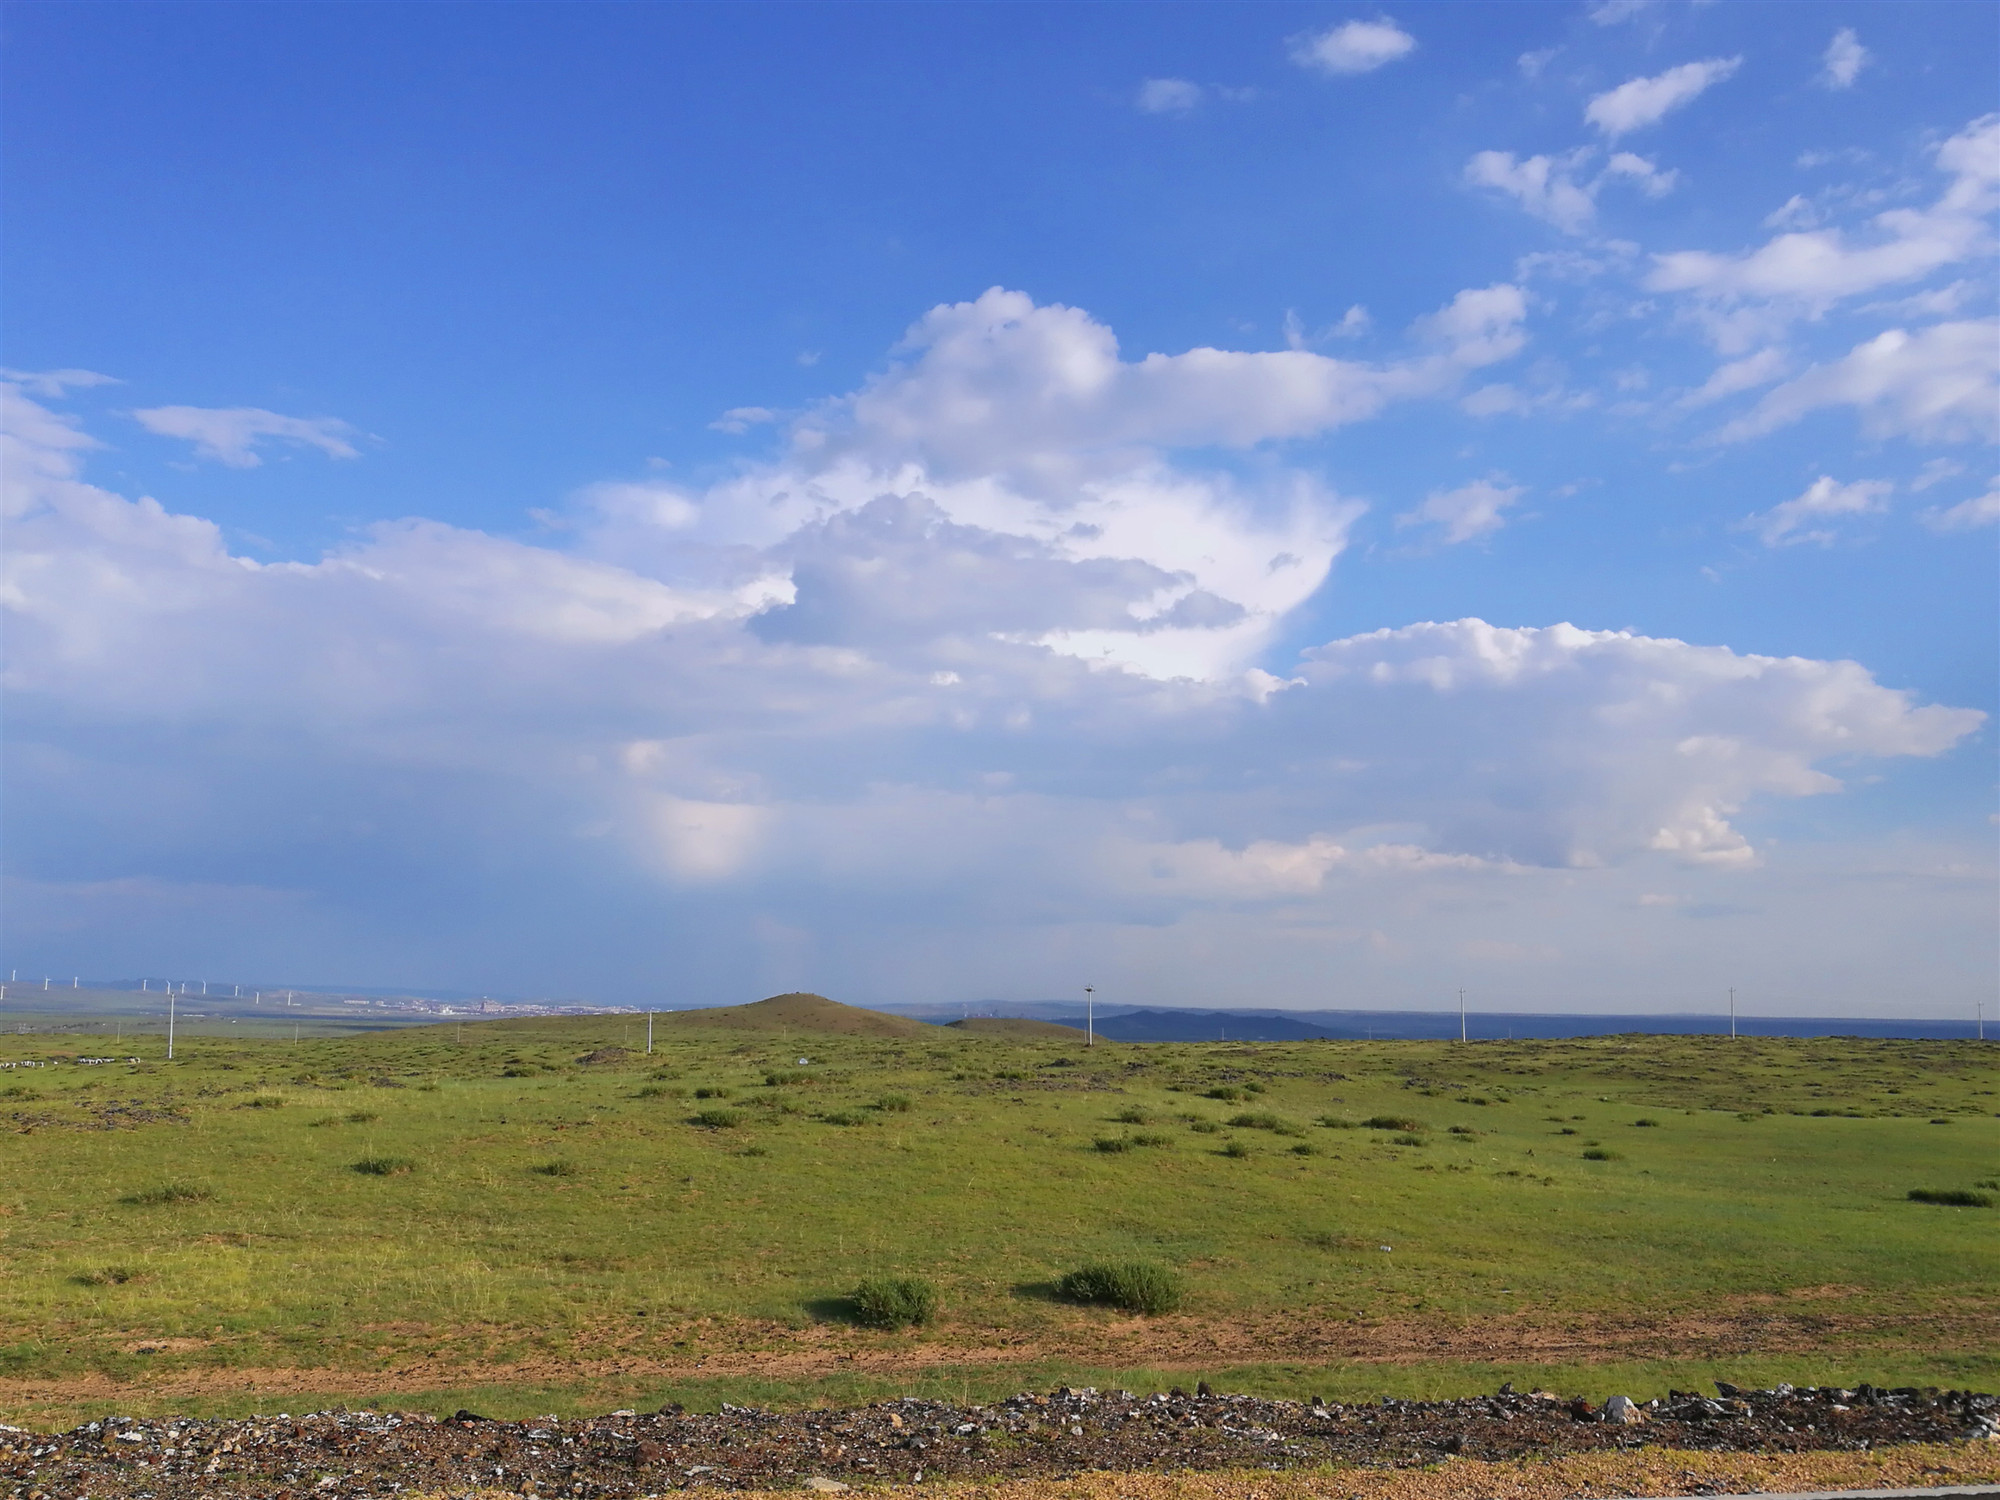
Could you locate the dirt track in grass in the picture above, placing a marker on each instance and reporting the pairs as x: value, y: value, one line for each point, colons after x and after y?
x: 777, y: 1352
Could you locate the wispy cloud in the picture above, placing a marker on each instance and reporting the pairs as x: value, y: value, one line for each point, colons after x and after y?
x: 1468, y: 512
x: 1802, y: 519
x: 232, y: 435
x: 1168, y: 96
x: 1640, y: 102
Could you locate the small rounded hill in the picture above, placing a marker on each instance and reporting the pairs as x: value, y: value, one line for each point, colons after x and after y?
x: 793, y: 1013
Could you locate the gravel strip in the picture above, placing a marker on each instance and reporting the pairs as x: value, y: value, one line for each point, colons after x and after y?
x: 1032, y: 1436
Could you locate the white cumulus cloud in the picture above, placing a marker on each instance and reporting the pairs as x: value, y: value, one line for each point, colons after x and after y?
x: 1825, y: 499
x: 1168, y: 96
x: 1843, y: 60
x: 1468, y: 512
x: 1353, y: 47
x: 1940, y: 384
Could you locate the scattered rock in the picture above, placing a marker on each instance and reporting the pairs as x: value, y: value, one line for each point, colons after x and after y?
x: 826, y: 1486
x: 1623, y: 1411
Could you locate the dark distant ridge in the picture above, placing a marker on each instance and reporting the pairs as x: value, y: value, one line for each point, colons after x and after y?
x: 1354, y: 1025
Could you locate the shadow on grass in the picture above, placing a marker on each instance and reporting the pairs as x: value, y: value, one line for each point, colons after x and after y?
x: 1039, y: 1291
x: 835, y: 1310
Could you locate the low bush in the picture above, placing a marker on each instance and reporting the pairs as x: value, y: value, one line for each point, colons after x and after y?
x: 263, y: 1101
x: 1225, y: 1093
x: 659, y: 1091
x: 1236, y: 1150
x: 1257, y: 1122
x: 1407, y: 1139
x: 895, y: 1302
x: 1253, y: 1088
x: 1151, y: 1138
x: 782, y: 1077
x: 844, y: 1117
x: 170, y: 1192
x: 1204, y: 1127
x: 362, y: 1117
x: 1645, y: 1122
x: 711, y: 1093
x: 383, y: 1166
x: 1131, y: 1114
x: 1392, y: 1122
x: 1137, y: 1286
x: 1598, y: 1153
x: 1951, y: 1197
x: 1461, y: 1130
x: 894, y: 1104
x: 1112, y: 1143
x: 558, y: 1168
x: 1305, y: 1148
x: 107, y: 1276
x: 1337, y: 1122
x: 716, y: 1119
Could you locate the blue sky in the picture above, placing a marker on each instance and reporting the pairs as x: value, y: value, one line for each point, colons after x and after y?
x: 1236, y: 504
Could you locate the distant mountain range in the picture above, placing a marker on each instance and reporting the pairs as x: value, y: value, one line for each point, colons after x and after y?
x: 1138, y: 1024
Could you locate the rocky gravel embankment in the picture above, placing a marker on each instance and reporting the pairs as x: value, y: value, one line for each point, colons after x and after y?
x: 342, y: 1453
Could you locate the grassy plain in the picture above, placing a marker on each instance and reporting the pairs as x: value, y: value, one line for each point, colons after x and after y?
x: 550, y: 1233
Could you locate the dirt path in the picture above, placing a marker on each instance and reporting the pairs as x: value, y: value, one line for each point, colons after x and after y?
x: 1170, y: 1345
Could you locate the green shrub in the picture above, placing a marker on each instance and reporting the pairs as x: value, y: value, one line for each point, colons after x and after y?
x: 1137, y: 1286
x: 1461, y: 1130
x: 895, y: 1302
x: 1392, y: 1122
x: 558, y: 1168
x: 1225, y: 1093
x: 1112, y: 1143
x: 1131, y: 1114
x: 1257, y: 1122
x: 1598, y: 1153
x: 658, y: 1091
x: 383, y: 1166
x: 711, y: 1093
x: 1236, y: 1150
x: 1151, y: 1138
x: 1407, y: 1139
x: 1305, y: 1148
x: 517, y: 1072
x: 1643, y: 1121
x: 263, y: 1101
x: 894, y: 1104
x: 1253, y: 1088
x: 1204, y: 1127
x: 780, y: 1077
x: 1951, y: 1197
x: 1337, y: 1122
x: 716, y: 1119
x: 170, y: 1192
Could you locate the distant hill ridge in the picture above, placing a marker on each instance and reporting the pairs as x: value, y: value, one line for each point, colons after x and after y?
x: 1014, y: 1026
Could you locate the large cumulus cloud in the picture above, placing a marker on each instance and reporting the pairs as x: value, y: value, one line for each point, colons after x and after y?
x: 978, y: 652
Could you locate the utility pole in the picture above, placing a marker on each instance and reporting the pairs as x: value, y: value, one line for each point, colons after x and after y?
x: 170, y: 1025
x: 1982, y: 1020
x: 1461, y: 1015
x: 1732, y: 1010
x: 1089, y: 1018
x: 649, y: 1033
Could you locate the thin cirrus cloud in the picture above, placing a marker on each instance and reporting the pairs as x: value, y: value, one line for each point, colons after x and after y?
x: 1640, y: 102
x: 1168, y: 96
x: 1935, y: 385
x: 232, y: 435
x: 1353, y: 47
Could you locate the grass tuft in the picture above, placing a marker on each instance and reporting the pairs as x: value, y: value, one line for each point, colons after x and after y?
x: 1599, y: 1153
x: 558, y: 1168
x: 1951, y: 1197
x: 1393, y: 1122
x: 170, y: 1192
x: 895, y: 1302
x: 715, y: 1119
x: 1137, y: 1286
x: 383, y: 1166
x: 1236, y: 1150
x: 894, y: 1104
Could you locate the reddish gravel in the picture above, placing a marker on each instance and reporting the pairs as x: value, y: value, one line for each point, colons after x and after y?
x: 344, y: 1453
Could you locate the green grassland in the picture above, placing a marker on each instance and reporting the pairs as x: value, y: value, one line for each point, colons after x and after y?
x: 551, y: 1224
